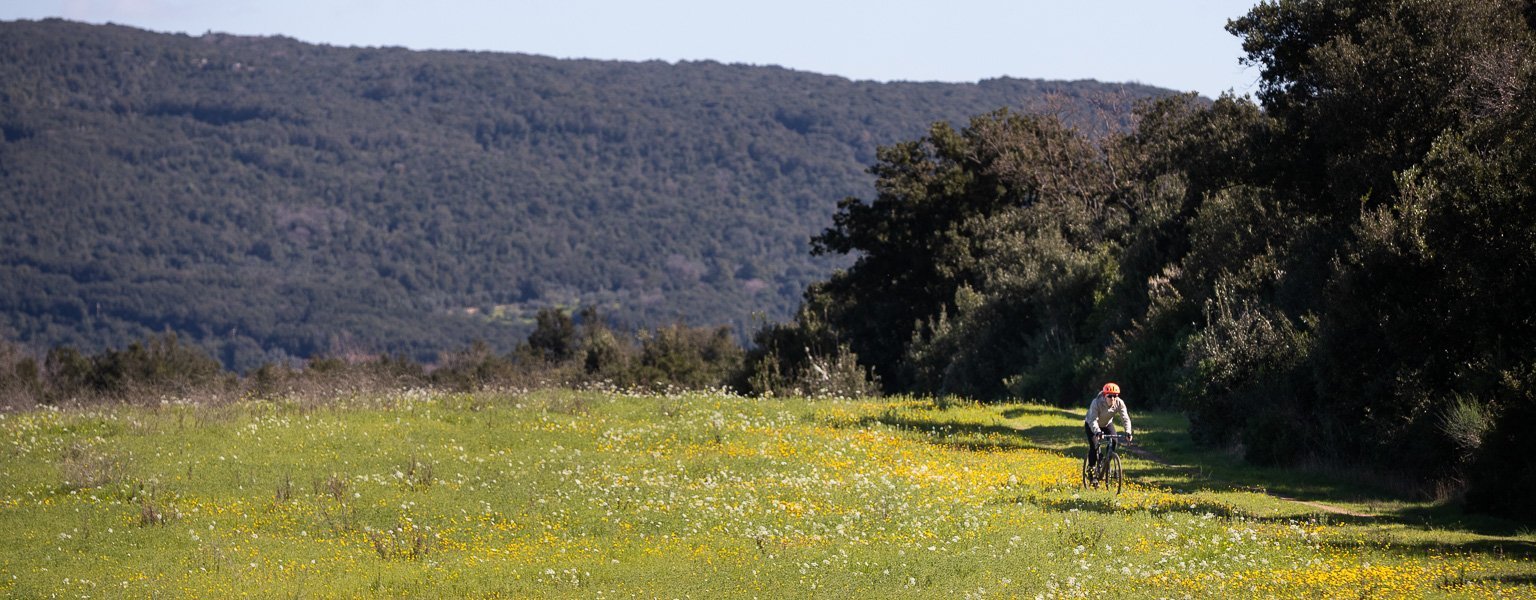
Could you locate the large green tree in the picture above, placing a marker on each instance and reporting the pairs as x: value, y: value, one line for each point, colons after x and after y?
x: 920, y: 240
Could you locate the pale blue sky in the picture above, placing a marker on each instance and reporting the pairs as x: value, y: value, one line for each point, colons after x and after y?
x: 1178, y: 44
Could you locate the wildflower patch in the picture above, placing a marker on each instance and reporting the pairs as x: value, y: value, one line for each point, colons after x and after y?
x: 600, y: 494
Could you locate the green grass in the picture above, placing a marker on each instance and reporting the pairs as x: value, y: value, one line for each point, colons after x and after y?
x: 594, y: 494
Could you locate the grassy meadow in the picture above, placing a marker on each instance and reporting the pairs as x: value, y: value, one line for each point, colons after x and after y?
x: 607, y: 495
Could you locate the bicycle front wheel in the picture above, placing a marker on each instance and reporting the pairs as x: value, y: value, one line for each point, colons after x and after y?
x: 1116, y: 477
x: 1087, y: 474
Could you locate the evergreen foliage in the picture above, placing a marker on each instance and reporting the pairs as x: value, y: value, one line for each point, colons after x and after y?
x: 272, y: 201
x: 1332, y: 273
x: 804, y: 357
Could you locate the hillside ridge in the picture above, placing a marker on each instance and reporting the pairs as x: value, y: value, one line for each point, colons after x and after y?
x: 269, y: 199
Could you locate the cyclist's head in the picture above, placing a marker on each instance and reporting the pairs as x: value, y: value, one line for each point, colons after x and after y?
x: 1111, y: 389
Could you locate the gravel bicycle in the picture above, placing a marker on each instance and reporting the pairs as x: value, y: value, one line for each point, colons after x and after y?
x: 1106, y: 473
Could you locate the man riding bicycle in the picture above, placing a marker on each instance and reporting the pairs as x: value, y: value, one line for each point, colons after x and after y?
x: 1101, y: 419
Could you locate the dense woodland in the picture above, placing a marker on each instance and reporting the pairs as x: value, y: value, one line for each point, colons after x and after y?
x: 270, y: 200
x: 1332, y: 272
x: 1329, y: 273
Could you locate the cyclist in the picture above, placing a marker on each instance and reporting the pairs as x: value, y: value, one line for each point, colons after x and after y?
x: 1101, y: 419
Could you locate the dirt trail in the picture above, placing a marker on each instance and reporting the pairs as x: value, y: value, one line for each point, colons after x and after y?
x: 1325, y: 507
x: 1150, y: 456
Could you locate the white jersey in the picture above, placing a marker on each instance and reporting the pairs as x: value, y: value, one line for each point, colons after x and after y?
x: 1102, y: 411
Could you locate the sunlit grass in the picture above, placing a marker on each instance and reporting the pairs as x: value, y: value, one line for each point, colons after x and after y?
x: 595, y: 494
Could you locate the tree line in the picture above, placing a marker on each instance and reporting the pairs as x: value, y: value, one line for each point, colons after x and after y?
x: 1331, y: 272
x: 563, y: 350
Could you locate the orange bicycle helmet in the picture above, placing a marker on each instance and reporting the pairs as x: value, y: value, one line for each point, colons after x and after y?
x: 1111, y: 388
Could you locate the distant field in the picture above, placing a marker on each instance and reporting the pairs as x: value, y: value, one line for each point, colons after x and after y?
x: 603, y: 495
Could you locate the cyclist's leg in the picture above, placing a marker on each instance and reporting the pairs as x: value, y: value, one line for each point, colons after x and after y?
x: 1093, y: 447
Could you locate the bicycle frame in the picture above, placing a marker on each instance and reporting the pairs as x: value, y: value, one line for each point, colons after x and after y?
x: 1107, y: 470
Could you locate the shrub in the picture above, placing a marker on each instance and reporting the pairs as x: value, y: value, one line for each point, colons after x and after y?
x: 473, y: 368
x: 161, y: 362
x: 554, y: 336
x: 803, y: 358
x: 20, y: 377
x: 1247, y: 354
x: 1466, y: 422
x: 837, y: 375
x: 688, y: 357
x: 1149, y: 355
x: 157, y: 365
x: 604, y: 355
x: 1502, y: 478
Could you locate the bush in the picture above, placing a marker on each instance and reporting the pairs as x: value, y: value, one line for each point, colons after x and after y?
x: 606, y: 356
x: 20, y: 378
x: 1502, y: 478
x: 1149, y: 355
x: 1466, y: 422
x: 688, y: 357
x: 554, y: 336
x: 327, y: 376
x: 473, y: 368
x: 803, y: 358
x: 1248, y: 354
x: 835, y: 375
x: 160, y: 364
x: 1060, y: 378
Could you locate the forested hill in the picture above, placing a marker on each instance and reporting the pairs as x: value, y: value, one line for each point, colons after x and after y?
x: 267, y: 198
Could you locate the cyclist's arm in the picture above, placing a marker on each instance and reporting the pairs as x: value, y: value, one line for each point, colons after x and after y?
x: 1125, y: 416
x: 1092, y: 421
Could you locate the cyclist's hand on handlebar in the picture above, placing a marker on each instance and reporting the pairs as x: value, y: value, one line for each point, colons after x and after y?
x: 1128, y: 438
